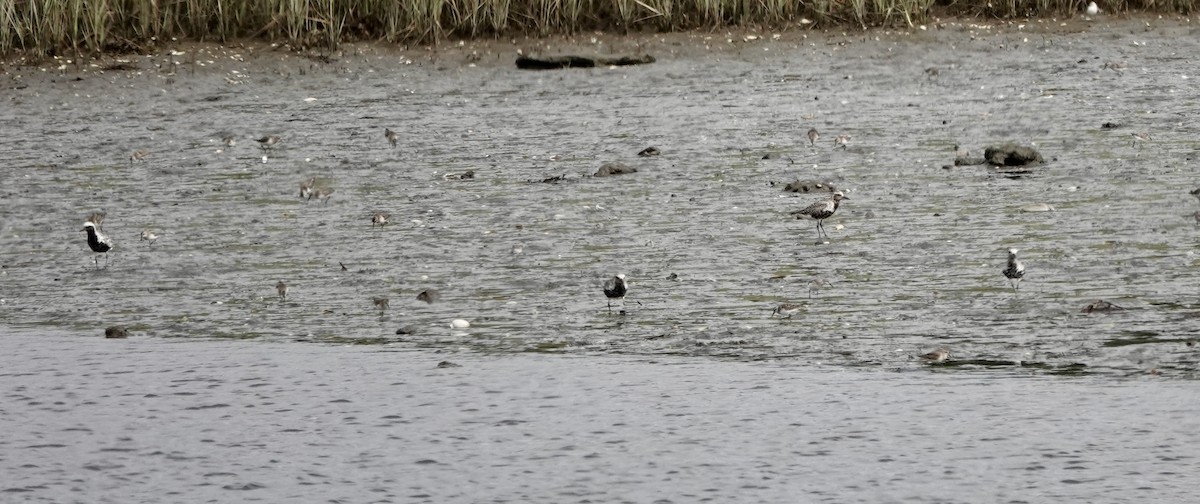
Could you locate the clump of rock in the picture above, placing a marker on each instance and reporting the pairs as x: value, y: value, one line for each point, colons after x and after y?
x: 608, y: 169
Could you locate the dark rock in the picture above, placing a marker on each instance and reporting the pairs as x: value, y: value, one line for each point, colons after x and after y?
x: 555, y: 179
x: 805, y: 186
x: 608, y: 169
x: 447, y: 364
x: 1100, y: 305
x: 649, y: 151
x: 429, y: 296
x: 115, y: 332
x: 408, y: 329
x: 1110, y: 125
x: 1012, y: 155
x: 556, y: 62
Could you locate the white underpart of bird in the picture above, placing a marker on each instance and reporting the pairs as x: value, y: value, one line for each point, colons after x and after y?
x: 1093, y: 9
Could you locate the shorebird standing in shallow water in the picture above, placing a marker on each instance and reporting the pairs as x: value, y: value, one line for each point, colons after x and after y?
x: 99, y: 242
x: 1141, y: 138
x: 148, y: 235
x: 306, y: 188
x: 138, y: 155
x: 821, y: 210
x: 268, y: 142
x: 812, y: 137
x: 1015, y: 269
x: 786, y: 310
x: 391, y: 136
x: 842, y: 141
x: 323, y: 194
x: 281, y: 288
x: 939, y: 355
x: 379, y: 218
x: 615, y: 288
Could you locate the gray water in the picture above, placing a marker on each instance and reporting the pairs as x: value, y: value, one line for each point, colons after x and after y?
x: 166, y: 420
x: 702, y: 231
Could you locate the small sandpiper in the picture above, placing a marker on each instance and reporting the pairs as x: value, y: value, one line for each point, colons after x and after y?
x: 786, y: 310
x: 268, y: 142
x: 148, y: 235
x: 138, y: 155
x: 229, y: 140
x: 97, y: 240
x: 939, y: 355
x: 380, y: 302
x: 379, y: 218
x: 821, y: 210
x: 842, y: 141
x: 615, y: 288
x: 391, y: 136
x: 1140, y: 138
x: 306, y: 188
x: 282, y: 289
x: 812, y: 137
x: 1015, y: 269
x: 323, y: 194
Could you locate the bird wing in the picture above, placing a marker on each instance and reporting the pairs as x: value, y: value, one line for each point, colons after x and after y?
x: 96, y: 218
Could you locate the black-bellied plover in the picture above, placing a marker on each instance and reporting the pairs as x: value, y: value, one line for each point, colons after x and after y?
x: 939, y: 355
x: 379, y: 218
x: 306, y: 188
x: 786, y: 310
x: 268, y: 142
x: 821, y: 210
x: 148, y: 235
x: 813, y: 136
x: 390, y: 136
x: 615, y: 288
x: 282, y: 289
x: 1015, y: 270
x: 99, y: 242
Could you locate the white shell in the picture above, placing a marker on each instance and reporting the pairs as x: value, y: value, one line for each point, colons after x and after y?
x: 459, y: 324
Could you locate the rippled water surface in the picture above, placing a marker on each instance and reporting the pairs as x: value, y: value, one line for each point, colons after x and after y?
x: 702, y: 231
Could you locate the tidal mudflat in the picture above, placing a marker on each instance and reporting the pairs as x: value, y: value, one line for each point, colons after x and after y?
x: 520, y: 250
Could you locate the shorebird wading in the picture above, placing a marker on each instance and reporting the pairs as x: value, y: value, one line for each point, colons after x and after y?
x: 99, y: 242
x: 939, y: 355
x: 615, y: 288
x: 1015, y: 269
x: 812, y: 137
x: 268, y: 142
x: 391, y: 136
x: 821, y: 210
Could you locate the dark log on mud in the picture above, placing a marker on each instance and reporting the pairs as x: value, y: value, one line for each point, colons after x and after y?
x: 556, y: 62
x: 1012, y: 155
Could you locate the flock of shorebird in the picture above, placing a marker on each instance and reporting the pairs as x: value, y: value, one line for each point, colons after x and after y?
x: 614, y: 288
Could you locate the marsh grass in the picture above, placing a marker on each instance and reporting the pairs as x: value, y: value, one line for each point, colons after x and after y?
x: 91, y: 26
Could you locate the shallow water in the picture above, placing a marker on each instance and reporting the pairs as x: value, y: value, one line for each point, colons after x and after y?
x: 171, y: 420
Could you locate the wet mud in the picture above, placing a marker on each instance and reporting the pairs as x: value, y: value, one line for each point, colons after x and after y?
x: 702, y: 230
